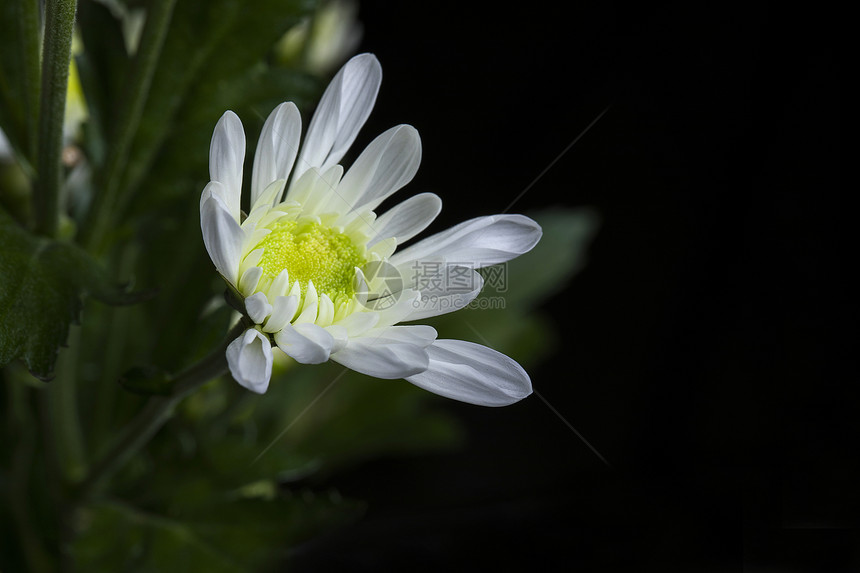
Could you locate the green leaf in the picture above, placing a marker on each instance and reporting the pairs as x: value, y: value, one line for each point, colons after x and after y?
x: 43, y: 282
x: 223, y: 534
x: 101, y: 66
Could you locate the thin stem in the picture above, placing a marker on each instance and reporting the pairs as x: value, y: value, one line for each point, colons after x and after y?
x: 64, y: 411
x: 128, y: 118
x: 56, y: 55
x: 155, y: 414
x: 21, y: 425
x: 116, y: 337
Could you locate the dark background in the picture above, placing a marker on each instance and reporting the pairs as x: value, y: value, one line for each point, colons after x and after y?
x: 698, y: 351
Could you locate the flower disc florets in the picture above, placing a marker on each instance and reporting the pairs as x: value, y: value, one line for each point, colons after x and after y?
x: 311, y: 252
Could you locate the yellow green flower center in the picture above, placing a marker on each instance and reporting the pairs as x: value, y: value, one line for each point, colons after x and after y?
x: 312, y: 252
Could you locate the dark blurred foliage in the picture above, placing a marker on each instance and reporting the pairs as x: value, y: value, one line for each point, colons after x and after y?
x: 702, y: 351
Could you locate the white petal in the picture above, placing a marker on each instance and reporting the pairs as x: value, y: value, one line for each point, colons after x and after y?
x: 322, y: 189
x: 342, y: 111
x: 402, y: 304
x: 276, y: 148
x: 387, y: 164
x: 222, y: 237
x: 306, y: 343
x: 477, y: 243
x: 358, y: 323
x: 340, y: 336
x: 407, y: 219
x: 250, y: 360
x: 473, y: 373
x: 262, y: 201
x: 280, y: 285
x: 226, y: 156
x: 326, y: 311
x: 417, y: 334
x: 381, y: 358
x: 249, y: 280
x: 217, y: 189
x: 283, y: 312
x: 258, y: 307
x: 310, y: 305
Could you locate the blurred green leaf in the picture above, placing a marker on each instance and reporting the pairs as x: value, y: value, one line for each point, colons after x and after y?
x: 101, y: 66
x: 208, y: 45
x: 19, y: 74
x: 238, y: 534
x: 547, y: 269
x: 41, y: 294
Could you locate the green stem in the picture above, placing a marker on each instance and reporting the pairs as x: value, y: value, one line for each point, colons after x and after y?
x: 128, y: 118
x: 104, y: 400
x: 56, y: 55
x: 64, y: 412
x: 156, y: 413
x: 21, y: 425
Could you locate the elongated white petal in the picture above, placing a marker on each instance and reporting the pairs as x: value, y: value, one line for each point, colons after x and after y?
x: 407, y: 219
x: 477, y: 243
x: 276, y: 149
x: 342, y: 111
x: 306, y: 343
x: 222, y: 237
x: 258, y: 307
x: 382, y: 358
x: 387, y: 164
x: 417, y: 334
x: 249, y: 358
x: 226, y: 156
x: 472, y: 373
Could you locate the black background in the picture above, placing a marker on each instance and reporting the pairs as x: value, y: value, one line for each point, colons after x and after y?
x: 699, y: 351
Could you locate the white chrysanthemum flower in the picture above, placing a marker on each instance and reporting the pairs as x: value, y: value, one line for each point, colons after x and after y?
x: 319, y: 272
